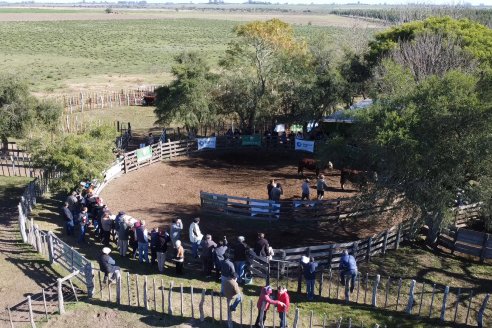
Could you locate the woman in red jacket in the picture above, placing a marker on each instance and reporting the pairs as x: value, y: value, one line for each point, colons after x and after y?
x: 265, y: 298
x: 283, y: 297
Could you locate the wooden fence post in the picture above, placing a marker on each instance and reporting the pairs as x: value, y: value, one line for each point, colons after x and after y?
x: 181, y: 298
x: 320, y: 284
x: 31, y: 315
x: 385, y: 241
x: 456, y: 305
x: 368, y: 253
x: 45, y: 306
x: 89, y: 280
x: 145, y: 294
x: 128, y: 288
x: 61, y: 307
x: 444, y: 301
x: 411, y: 297
x: 296, y: 318
x: 482, y: 310
x: 170, y: 299
x: 118, y: 289
x: 484, y: 247
x: 398, y: 297
x: 398, y: 236
x: 432, y: 300
x: 469, y: 306
x: 10, y: 317
x: 192, y: 303
x: 388, y: 284
x: 51, y: 252
x: 421, y: 298
x: 375, y: 291
x: 200, y: 306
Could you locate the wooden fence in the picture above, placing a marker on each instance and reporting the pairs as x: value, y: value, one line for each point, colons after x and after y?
x: 16, y: 162
x: 475, y: 243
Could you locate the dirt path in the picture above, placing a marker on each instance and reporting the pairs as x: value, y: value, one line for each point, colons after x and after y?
x: 23, y: 272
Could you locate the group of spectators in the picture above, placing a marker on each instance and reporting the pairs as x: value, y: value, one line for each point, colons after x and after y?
x: 275, y: 190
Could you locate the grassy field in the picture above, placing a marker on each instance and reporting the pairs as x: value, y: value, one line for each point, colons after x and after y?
x: 69, y: 56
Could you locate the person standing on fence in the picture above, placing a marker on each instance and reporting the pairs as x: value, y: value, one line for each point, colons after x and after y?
x: 83, y: 221
x: 176, y: 228
x: 348, y: 269
x: 123, y: 235
x: 208, y: 246
x: 264, y: 302
x: 195, y: 236
x: 179, y: 259
x: 283, y: 296
x: 309, y: 267
x: 141, y: 235
x: 154, y: 245
x: 164, y: 238
x: 321, y: 186
x: 68, y: 217
x: 305, y: 190
x: 107, y: 265
x: 241, y: 249
x: 261, y: 246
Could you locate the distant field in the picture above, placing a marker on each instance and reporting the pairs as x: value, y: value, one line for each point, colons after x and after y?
x: 73, y: 50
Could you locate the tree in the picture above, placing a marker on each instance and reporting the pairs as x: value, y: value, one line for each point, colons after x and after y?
x: 188, y: 98
x: 16, y: 109
x: 429, y: 142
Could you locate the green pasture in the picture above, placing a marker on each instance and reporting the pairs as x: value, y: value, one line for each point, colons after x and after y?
x: 53, y: 54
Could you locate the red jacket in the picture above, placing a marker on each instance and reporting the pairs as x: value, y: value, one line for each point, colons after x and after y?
x: 284, y: 298
x: 265, y: 297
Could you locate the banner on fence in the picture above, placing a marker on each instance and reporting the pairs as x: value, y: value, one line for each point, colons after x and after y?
x: 254, y: 140
x: 305, y: 145
x: 206, y: 142
x: 144, y: 154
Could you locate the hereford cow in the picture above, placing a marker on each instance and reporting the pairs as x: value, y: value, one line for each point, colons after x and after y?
x: 312, y: 164
x: 360, y: 178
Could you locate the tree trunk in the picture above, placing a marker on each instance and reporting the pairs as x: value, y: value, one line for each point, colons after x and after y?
x: 5, y: 145
x: 434, y: 222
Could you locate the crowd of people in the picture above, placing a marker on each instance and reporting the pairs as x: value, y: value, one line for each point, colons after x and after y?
x: 275, y: 190
x: 83, y: 210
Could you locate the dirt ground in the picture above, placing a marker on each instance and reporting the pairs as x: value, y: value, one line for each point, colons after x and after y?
x: 167, y: 190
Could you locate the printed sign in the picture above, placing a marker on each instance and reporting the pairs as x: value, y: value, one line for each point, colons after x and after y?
x: 206, y: 142
x: 144, y: 154
x: 254, y: 140
x: 305, y: 145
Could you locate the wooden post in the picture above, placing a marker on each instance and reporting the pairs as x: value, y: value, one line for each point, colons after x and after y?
x: 73, y: 290
x: 51, y: 252
x: 421, y: 298
x: 320, y: 284
x: 100, y: 284
x: 170, y: 299
x: 31, y: 315
x: 138, y: 291
x: 61, y: 308
x: 250, y: 313
x: 118, y: 289
x: 200, y: 306
x: 310, y: 320
x: 432, y: 299
x: 241, y: 314
x: 128, y: 288
x: 385, y: 241
x: 368, y: 253
x: 329, y: 284
x: 456, y: 305
x: 181, y: 298
x: 469, y: 306
x: 398, y: 236
x: 296, y: 318
x: 192, y: 303
x: 375, y: 291
x: 358, y: 287
x: 367, y: 287
x: 411, y: 297
x: 89, y: 280
x: 155, y: 298
x: 482, y: 310
x: 299, y: 279
x: 484, y: 247
x: 388, y: 284
x: 162, y: 296
x: 10, y: 318
x: 45, y: 306
x: 444, y: 301
x: 220, y: 308
x: 398, y: 296
x: 338, y: 286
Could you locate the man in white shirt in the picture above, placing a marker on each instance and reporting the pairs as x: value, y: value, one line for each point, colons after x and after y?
x: 195, y: 236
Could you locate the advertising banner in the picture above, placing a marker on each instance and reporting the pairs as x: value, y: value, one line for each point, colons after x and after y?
x: 254, y: 140
x: 305, y: 145
x: 144, y: 154
x: 206, y: 142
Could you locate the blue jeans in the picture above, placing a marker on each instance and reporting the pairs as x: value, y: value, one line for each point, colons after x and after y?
x: 240, y: 267
x: 81, y: 238
x: 236, y: 302
x: 70, y: 227
x: 283, y: 319
x: 352, y: 274
x: 310, y: 289
x: 194, y: 248
x: 143, y: 248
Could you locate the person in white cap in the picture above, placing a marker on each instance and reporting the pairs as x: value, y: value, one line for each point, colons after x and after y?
x: 107, y: 265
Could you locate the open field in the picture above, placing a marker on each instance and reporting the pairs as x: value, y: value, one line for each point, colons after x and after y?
x: 86, y: 50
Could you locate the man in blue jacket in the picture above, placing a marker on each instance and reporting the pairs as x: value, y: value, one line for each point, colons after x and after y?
x: 309, y: 267
x: 348, y: 268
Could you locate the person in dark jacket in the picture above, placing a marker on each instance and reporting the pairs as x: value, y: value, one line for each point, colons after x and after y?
x: 164, y: 238
x: 309, y: 267
x: 107, y: 265
x: 208, y: 246
x: 68, y: 217
x: 348, y: 269
x: 270, y: 186
x: 154, y: 244
x: 219, y: 253
x: 241, y: 250
x: 227, y: 272
x: 83, y: 221
x: 141, y: 235
x: 261, y: 246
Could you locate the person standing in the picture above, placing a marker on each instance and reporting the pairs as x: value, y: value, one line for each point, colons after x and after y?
x: 208, y: 246
x: 261, y: 246
x: 231, y: 291
x: 240, y: 257
x: 321, y: 186
x: 276, y: 192
x: 283, y: 296
x: 176, y: 228
x: 179, y: 259
x: 141, y: 235
x: 227, y: 272
x: 154, y: 244
x: 305, y: 190
x: 107, y: 265
x: 219, y: 255
x: 195, y: 236
x: 309, y: 267
x: 68, y: 217
x: 123, y: 236
x: 162, y: 249
x: 270, y: 186
x: 83, y: 221
x: 348, y: 269
x: 264, y: 302
x: 106, y: 224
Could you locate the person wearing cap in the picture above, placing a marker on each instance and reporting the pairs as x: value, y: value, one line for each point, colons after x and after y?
x: 107, y: 265
x: 309, y: 267
x: 264, y: 302
x: 348, y: 269
x: 195, y: 236
x: 321, y: 186
x: 305, y: 190
x: 241, y: 250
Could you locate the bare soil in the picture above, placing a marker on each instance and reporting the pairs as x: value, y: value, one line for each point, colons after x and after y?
x: 167, y: 190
